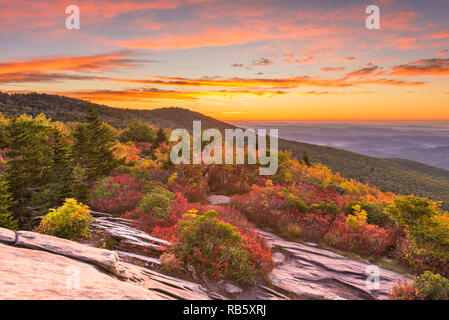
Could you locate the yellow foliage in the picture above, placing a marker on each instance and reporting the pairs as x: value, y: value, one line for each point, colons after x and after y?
x: 70, y: 221
x: 359, y: 217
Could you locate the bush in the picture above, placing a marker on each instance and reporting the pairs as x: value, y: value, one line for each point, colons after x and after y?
x: 138, y: 132
x: 190, y: 180
x: 432, y: 286
x: 425, y: 226
x: 117, y: 195
x: 404, y: 290
x: 358, y: 218
x: 410, y: 254
x: 70, y: 221
x: 219, y: 250
x: 7, y: 221
x: 376, y: 213
x: 428, y: 286
x: 366, y: 240
x: 154, y: 209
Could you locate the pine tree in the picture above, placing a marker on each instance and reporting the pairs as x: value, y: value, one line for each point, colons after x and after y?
x: 29, y: 161
x: 161, y: 137
x: 59, y: 178
x: 305, y: 159
x: 93, y: 147
x: 6, y: 200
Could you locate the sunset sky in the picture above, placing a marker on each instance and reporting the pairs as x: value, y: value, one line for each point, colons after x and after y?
x: 252, y: 60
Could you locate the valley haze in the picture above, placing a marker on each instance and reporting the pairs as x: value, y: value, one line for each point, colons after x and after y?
x: 422, y: 141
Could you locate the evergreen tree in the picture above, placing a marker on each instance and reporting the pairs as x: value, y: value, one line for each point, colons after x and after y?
x: 60, y: 176
x: 29, y: 161
x: 6, y: 200
x: 305, y: 159
x: 161, y: 136
x: 93, y: 147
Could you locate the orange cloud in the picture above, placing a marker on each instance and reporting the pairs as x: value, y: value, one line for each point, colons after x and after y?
x: 441, y: 53
x: 439, y: 35
x: 424, y: 67
x: 222, y: 37
x: 333, y: 69
x: 102, y: 62
x: 142, y: 95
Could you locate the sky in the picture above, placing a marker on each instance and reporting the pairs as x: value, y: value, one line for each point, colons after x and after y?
x: 235, y: 60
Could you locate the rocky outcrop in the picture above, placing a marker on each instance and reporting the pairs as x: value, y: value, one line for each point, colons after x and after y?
x: 302, y: 270
x: 37, y: 266
x: 103, y: 258
x: 306, y: 271
x: 312, y: 272
x: 7, y: 236
x: 35, y: 274
x: 218, y: 199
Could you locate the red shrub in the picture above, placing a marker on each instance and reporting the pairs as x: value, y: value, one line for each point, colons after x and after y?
x: 117, y: 195
x: 314, y: 226
x: 368, y: 240
x: 191, y: 181
x: 404, y: 290
x: 146, y: 221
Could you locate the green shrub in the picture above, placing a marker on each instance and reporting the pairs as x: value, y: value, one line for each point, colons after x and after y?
x: 425, y: 225
x: 7, y: 221
x: 432, y: 286
x: 70, y: 221
x: 156, y: 200
x: 376, y: 214
x: 157, y: 203
x: 428, y: 286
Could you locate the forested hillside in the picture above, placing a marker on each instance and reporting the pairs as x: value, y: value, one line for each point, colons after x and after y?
x: 395, y: 175
x: 60, y: 108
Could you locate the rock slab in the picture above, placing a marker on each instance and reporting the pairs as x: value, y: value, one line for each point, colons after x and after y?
x: 7, y: 236
x: 33, y: 274
x: 103, y: 258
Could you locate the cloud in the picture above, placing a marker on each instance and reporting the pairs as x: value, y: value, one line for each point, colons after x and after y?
x: 223, y: 36
x: 439, y: 35
x: 369, y: 70
x: 333, y: 69
x: 305, y: 60
x: 261, y: 62
x: 142, y: 95
x: 424, y: 67
x: 441, y: 53
x: 102, y: 62
x: 41, y: 77
x: 320, y: 93
x: 287, y: 57
x: 346, y: 59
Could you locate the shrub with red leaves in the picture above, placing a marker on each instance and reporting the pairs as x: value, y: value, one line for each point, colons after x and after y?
x: 368, y: 240
x: 404, y: 290
x: 117, y: 195
x: 219, y: 250
x: 148, y: 221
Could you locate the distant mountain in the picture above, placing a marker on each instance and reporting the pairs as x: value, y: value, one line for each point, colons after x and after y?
x: 395, y: 175
x: 422, y: 141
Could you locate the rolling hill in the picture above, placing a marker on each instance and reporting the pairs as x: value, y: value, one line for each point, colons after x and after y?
x: 397, y: 175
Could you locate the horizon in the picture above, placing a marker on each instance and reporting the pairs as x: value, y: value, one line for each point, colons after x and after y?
x: 311, y: 62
